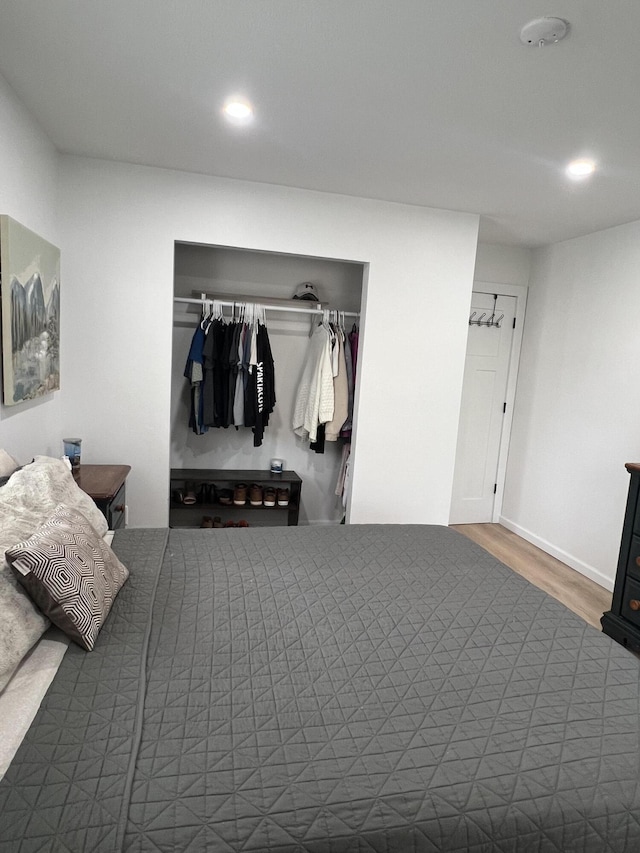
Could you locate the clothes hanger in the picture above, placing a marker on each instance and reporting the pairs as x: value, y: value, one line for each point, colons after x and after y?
x: 207, y: 314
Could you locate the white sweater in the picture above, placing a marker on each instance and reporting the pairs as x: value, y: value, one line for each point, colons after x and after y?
x: 314, y: 400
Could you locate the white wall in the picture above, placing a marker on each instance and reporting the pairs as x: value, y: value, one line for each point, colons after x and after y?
x: 261, y: 275
x: 119, y: 227
x: 503, y: 264
x: 28, y: 185
x: 577, y: 414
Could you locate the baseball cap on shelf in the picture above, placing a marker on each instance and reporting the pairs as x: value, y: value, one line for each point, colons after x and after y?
x: 308, y: 291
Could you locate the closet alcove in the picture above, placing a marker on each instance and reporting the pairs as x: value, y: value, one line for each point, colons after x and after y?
x: 248, y: 275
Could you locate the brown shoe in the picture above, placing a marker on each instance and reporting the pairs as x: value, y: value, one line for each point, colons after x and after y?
x: 240, y: 494
x: 243, y: 523
x: 207, y: 521
x: 269, y: 496
x: 255, y: 495
x: 217, y: 521
x: 283, y: 497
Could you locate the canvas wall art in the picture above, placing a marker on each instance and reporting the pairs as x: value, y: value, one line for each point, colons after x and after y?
x: 30, y: 280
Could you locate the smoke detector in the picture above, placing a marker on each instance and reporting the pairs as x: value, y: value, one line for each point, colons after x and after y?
x: 543, y: 31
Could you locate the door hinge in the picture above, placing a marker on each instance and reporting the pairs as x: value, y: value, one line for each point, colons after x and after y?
x: 495, y: 488
x: 514, y: 322
x: 504, y: 408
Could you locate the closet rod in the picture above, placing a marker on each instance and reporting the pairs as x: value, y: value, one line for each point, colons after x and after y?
x: 290, y: 308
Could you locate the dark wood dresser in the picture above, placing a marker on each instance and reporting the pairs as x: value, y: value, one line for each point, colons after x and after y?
x: 106, y: 484
x: 622, y: 622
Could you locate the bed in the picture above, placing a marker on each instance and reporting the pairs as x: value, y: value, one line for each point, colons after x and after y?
x: 325, y: 689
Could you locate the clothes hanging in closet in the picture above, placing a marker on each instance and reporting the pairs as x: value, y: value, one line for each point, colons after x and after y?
x: 213, y: 383
x: 194, y: 372
x: 354, y: 337
x: 323, y: 409
x: 345, y: 432
x: 340, y: 390
x: 314, y: 400
x: 260, y: 394
x: 238, y: 375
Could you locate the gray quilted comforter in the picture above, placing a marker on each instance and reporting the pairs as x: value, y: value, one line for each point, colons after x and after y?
x: 353, y: 688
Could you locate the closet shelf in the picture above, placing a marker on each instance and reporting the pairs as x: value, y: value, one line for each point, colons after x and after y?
x: 214, y: 507
x: 189, y: 515
x: 236, y: 475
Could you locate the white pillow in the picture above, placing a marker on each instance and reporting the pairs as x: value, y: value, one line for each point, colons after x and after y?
x: 7, y: 464
x: 26, y: 501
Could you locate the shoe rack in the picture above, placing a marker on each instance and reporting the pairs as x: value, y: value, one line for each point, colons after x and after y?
x: 196, y: 493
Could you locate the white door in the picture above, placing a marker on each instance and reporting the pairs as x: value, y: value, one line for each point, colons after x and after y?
x: 484, y: 395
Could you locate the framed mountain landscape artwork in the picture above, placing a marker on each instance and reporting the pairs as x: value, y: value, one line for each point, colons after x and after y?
x: 30, y: 277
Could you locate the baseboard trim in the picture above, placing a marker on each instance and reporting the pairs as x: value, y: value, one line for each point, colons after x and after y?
x: 571, y: 561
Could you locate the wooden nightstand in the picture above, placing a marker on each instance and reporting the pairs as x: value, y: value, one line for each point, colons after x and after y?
x: 106, y: 485
x: 622, y: 622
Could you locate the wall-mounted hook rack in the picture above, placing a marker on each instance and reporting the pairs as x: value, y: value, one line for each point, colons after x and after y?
x: 491, y: 321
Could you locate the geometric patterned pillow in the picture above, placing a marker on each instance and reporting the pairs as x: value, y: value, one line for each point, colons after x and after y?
x: 70, y: 573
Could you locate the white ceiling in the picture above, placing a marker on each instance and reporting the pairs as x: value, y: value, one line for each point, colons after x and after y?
x: 430, y: 102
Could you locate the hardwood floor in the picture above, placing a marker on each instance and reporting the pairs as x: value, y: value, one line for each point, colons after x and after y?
x: 575, y: 591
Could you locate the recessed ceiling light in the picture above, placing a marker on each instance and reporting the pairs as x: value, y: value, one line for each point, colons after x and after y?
x: 581, y: 168
x: 238, y: 110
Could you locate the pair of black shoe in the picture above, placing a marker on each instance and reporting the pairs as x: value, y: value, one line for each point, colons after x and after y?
x: 207, y: 493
